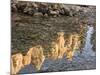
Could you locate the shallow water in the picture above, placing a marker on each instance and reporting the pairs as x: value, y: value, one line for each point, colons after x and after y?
x: 88, y: 45
x: 84, y: 61
x: 28, y: 31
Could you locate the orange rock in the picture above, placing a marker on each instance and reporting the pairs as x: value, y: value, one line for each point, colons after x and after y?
x: 61, y: 43
x: 16, y: 63
x: 27, y: 58
x: 37, y: 56
x: 54, y: 51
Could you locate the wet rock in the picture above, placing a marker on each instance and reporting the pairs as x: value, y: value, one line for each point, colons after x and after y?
x: 43, y: 5
x: 45, y: 8
x: 38, y: 14
x: 28, y: 11
x: 54, y: 13
x: 21, y: 6
x: 44, y: 11
x: 14, y: 1
x: 34, y: 5
x: 13, y: 8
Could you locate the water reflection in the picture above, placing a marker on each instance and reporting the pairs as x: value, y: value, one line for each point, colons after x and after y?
x: 87, y: 50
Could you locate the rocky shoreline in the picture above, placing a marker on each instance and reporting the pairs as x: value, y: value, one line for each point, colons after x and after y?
x: 46, y: 26
x: 47, y: 9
